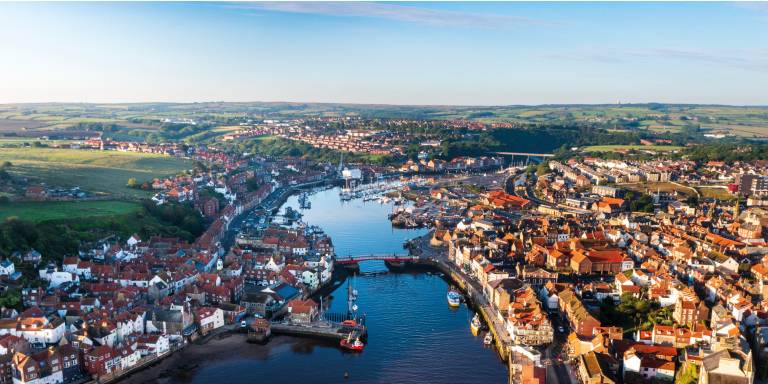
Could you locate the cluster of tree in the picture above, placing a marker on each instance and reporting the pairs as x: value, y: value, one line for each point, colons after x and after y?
x: 50, y: 239
x: 687, y: 374
x: 189, y: 222
x: 56, y: 239
x: 639, y: 202
x: 11, y: 298
x: 284, y: 147
x: 727, y: 152
x: 208, y: 192
x: 252, y: 184
x: 95, y: 127
x: 174, y: 131
x: 540, y: 139
x: 4, y: 167
x: 634, y: 313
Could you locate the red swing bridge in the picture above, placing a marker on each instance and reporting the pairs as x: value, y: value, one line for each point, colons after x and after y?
x: 389, y: 258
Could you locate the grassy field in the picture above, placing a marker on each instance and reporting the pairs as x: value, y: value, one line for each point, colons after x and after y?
x: 19, y: 141
x: 745, y: 122
x: 660, y: 187
x: 98, y: 172
x: 720, y: 193
x: 58, y: 210
x: 614, y: 148
x: 214, y: 132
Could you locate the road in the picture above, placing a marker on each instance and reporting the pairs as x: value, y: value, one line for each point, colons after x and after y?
x: 528, y: 192
x: 558, y: 370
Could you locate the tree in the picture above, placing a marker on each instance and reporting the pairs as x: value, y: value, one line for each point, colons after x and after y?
x: 687, y: 374
x: 542, y: 168
x: 11, y: 298
x: 252, y: 184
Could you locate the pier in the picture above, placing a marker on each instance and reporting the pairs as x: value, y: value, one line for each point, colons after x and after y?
x: 320, y: 329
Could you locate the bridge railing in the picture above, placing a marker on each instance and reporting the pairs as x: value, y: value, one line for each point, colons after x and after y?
x: 358, y: 258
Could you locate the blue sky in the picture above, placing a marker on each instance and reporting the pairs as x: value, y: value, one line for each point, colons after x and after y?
x: 393, y: 53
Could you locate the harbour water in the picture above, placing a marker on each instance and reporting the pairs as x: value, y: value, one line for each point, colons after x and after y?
x: 414, y: 337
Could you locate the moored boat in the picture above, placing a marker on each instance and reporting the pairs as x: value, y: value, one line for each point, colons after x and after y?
x: 352, y: 345
x: 488, y: 339
x: 475, y: 324
x: 454, y: 299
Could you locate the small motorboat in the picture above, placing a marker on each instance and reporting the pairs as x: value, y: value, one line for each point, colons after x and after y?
x: 454, y: 299
x: 475, y: 324
x: 488, y: 339
x: 352, y: 345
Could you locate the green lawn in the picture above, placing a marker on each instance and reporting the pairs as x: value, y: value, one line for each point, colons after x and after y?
x: 19, y: 141
x: 613, y: 148
x: 720, y: 193
x: 57, y: 210
x: 98, y: 172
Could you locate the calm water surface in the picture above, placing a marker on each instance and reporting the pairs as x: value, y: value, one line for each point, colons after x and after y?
x: 413, y: 336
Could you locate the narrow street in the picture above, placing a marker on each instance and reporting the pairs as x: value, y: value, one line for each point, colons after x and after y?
x: 557, y: 369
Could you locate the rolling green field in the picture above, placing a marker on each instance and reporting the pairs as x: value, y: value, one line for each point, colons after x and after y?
x: 15, y: 142
x: 97, y: 172
x: 138, y: 120
x: 58, y: 210
x: 614, y: 148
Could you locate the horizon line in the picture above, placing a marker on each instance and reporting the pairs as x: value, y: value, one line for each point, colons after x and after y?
x: 379, y: 104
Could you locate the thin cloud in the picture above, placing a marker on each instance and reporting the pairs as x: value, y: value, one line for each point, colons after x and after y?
x: 758, y: 9
x: 755, y: 59
x: 732, y: 59
x: 403, y: 13
x: 758, y: 6
x: 580, y: 56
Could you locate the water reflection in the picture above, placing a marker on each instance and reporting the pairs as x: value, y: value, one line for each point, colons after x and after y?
x: 414, y: 337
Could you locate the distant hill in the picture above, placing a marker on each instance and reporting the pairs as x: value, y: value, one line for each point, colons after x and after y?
x: 143, y: 119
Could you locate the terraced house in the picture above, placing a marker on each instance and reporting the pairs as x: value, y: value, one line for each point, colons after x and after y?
x: 527, y: 323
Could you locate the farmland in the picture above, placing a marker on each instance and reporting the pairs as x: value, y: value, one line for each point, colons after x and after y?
x: 44, y: 211
x: 98, y: 172
x: 143, y: 119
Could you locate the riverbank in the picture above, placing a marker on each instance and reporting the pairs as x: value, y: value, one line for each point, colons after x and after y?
x: 438, y: 259
x: 181, y: 366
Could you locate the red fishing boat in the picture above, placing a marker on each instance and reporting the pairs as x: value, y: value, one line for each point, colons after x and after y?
x: 352, y: 345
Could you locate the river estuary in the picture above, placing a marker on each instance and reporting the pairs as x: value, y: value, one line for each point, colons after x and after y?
x: 413, y: 336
